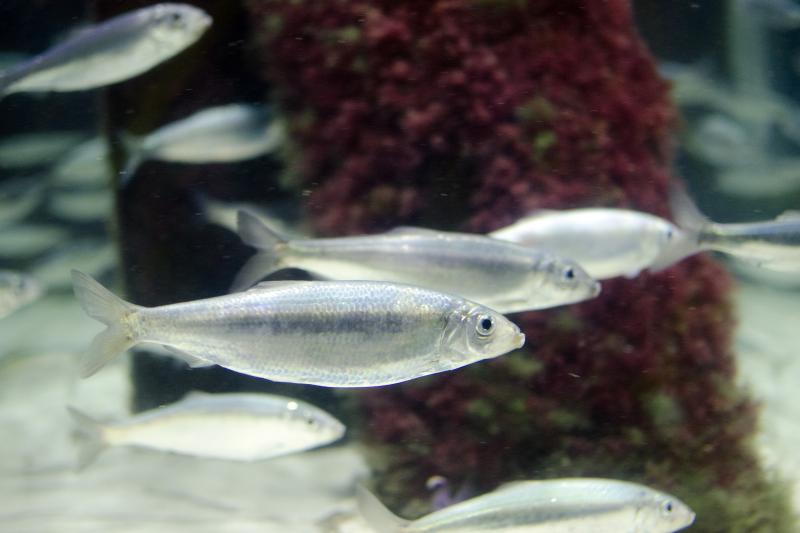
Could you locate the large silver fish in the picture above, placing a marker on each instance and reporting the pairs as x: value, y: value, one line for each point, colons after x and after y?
x: 235, y: 426
x: 112, y: 51
x: 329, y: 333
x: 571, y: 505
x: 17, y: 290
x: 502, y: 275
x: 233, y: 132
x: 773, y: 244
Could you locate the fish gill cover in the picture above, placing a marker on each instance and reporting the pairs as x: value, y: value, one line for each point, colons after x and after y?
x: 467, y: 114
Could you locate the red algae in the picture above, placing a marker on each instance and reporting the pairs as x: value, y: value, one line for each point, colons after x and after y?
x: 467, y: 114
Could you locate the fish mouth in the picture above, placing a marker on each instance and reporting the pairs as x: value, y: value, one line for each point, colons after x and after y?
x: 519, y: 340
x: 597, y: 288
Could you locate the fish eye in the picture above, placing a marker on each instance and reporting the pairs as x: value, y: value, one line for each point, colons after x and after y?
x: 175, y: 18
x: 670, y: 234
x: 569, y: 273
x: 667, y: 508
x: 485, y: 325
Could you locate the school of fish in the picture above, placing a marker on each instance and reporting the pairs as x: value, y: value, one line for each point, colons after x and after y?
x: 381, y: 309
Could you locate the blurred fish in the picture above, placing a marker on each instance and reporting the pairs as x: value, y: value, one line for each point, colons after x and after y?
x: 236, y: 426
x: 226, y: 215
x: 777, y: 14
x: 81, y: 206
x: 504, y: 276
x: 772, y: 178
x: 337, y: 333
x: 29, y: 240
x: 606, y: 242
x: 722, y: 141
x: 773, y: 244
x: 16, y: 290
x: 694, y: 86
x: 95, y: 257
x: 88, y: 164
x: 36, y: 149
x: 19, y: 197
x: 233, y: 132
x: 115, y: 50
x: 575, y: 505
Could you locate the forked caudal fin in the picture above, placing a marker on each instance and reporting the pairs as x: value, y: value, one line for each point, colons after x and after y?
x: 90, y: 436
x: 102, y: 305
x: 686, y: 213
x: 5, y: 83
x: 269, y: 244
x: 381, y: 519
x: 691, y: 223
x: 134, y: 146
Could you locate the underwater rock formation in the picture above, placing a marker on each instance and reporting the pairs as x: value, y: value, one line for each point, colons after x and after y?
x: 466, y: 114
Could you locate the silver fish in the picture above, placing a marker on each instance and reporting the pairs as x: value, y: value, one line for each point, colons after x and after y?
x: 81, y: 206
x: 773, y: 244
x: 226, y: 215
x: 17, y: 290
x: 722, y: 141
x: 87, y: 164
x: 96, y: 257
x: 606, y: 242
x: 36, y: 149
x: 570, y: 505
x: 235, y: 426
x: 115, y: 50
x: 778, y: 14
x: 328, y: 333
x: 233, y: 132
x: 19, y: 197
x: 27, y: 240
x: 765, y: 179
x: 502, y: 275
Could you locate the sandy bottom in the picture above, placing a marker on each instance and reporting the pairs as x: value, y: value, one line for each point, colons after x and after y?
x: 130, y: 490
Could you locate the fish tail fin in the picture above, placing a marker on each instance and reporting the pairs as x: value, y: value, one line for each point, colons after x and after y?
x: 134, y: 147
x: 90, y: 435
x: 268, y: 242
x: 104, y: 306
x: 692, y: 224
x: 5, y: 84
x: 376, y: 514
x: 687, y: 215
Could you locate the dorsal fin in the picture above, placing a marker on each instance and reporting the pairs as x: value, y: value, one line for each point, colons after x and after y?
x: 255, y: 232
